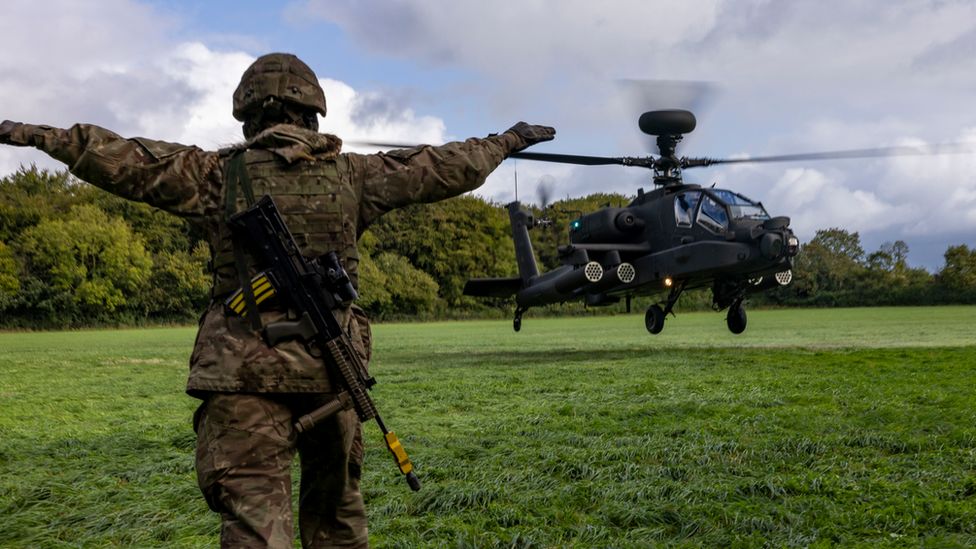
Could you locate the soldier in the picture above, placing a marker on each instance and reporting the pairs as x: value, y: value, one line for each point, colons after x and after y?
x: 251, y: 392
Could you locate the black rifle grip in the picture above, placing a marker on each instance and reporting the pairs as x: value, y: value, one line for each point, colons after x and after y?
x: 285, y: 330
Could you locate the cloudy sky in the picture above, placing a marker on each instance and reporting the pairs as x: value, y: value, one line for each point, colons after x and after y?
x: 764, y: 78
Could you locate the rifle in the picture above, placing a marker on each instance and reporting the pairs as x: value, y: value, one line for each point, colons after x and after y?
x: 311, y: 289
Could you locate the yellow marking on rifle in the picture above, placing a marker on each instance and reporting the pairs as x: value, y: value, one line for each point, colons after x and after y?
x: 268, y: 290
x: 267, y: 294
x: 258, y: 285
x: 399, y: 454
x: 261, y: 287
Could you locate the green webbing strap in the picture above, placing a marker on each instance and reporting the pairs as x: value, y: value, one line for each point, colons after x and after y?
x: 237, y: 177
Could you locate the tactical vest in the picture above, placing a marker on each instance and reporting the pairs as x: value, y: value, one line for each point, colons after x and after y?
x: 317, y: 200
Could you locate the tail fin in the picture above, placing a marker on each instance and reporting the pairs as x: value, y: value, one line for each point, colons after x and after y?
x: 522, y: 221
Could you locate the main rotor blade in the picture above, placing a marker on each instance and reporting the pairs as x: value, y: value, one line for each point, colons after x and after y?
x: 383, y: 145
x: 583, y: 160
x: 924, y: 150
x: 578, y: 159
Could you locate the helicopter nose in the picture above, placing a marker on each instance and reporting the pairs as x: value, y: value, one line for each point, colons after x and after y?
x: 771, y: 245
x: 775, y: 223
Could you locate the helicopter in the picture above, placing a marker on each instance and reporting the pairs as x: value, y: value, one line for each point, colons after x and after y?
x: 677, y: 237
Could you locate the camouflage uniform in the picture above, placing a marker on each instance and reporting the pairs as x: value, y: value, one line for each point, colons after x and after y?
x: 251, y: 391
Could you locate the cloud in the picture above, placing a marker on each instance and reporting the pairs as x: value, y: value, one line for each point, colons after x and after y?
x: 372, y: 116
x: 530, y: 176
x: 536, y: 39
x: 129, y: 76
x: 818, y: 200
x: 181, y: 95
x: 788, y: 77
x: 835, y: 49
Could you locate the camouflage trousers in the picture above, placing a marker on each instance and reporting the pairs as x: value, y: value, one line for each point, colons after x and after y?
x: 245, y: 447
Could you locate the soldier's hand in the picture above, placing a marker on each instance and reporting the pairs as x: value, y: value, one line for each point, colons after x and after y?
x: 6, y: 127
x: 532, y: 134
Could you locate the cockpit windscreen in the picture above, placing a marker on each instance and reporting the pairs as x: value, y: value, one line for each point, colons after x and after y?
x: 741, y: 207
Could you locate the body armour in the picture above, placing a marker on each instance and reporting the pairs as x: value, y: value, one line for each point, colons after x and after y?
x: 314, y: 194
x: 311, y: 185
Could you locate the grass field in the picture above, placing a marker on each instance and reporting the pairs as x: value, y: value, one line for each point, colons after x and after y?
x: 817, y: 428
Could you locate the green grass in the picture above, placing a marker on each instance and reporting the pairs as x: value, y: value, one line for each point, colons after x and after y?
x: 851, y: 427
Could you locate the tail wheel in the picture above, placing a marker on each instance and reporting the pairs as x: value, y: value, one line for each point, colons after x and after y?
x: 654, y: 319
x: 517, y: 321
x: 736, y: 319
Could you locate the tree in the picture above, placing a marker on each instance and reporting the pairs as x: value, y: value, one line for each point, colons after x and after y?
x: 830, y: 262
x: 374, y: 297
x: 31, y: 196
x: 88, y: 260
x: 9, y: 280
x: 161, y: 231
x: 390, y: 284
x: 888, y: 280
x: 890, y: 257
x: 844, y: 246
x: 959, y: 271
x: 452, y: 241
x: 411, y: 290
x: 179, y: 285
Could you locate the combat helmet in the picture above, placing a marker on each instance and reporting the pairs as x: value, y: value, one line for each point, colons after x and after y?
x: 281, y: 75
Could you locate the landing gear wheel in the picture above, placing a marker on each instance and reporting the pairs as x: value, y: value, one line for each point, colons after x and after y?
x: 517, y: 321
x: 736, y: 319
x: 654, y: 319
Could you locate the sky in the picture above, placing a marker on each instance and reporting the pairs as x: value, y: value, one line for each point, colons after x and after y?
x: 763, y: 77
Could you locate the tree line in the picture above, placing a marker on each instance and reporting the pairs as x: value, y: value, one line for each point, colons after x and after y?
x: 73, y: 255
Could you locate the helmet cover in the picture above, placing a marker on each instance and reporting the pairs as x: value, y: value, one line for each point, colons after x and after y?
x: 280, y: 75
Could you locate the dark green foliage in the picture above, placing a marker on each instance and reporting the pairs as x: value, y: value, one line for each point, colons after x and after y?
x: 91, y: 265
x: 413, y: 291
x: 31, y: 196
x: 9, y: 275
x: 74, y: 255
x: 179, y: 287
x: 832, y: 270
x: 391, y: 286
x: 452, y: 241
x: 831, y: 262
x: 81, y: 256
x: 374, y: 296
x: 959, y: 273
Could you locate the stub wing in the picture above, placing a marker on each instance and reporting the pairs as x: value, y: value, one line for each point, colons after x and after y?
x: 493, y: 287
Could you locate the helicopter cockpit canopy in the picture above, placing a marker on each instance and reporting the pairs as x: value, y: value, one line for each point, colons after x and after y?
x: 741, y: 207
x: 717, y: 208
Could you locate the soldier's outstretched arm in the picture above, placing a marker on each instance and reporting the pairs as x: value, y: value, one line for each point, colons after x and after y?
x: 428, y: 174
x: 180, y: 179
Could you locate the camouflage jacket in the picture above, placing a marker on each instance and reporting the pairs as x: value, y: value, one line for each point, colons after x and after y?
x: 190, y: 182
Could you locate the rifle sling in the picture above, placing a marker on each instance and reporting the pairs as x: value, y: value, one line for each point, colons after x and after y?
x: 237, y: 177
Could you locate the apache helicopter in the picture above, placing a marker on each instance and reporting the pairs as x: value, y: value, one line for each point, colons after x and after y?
x: 677, y: 237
